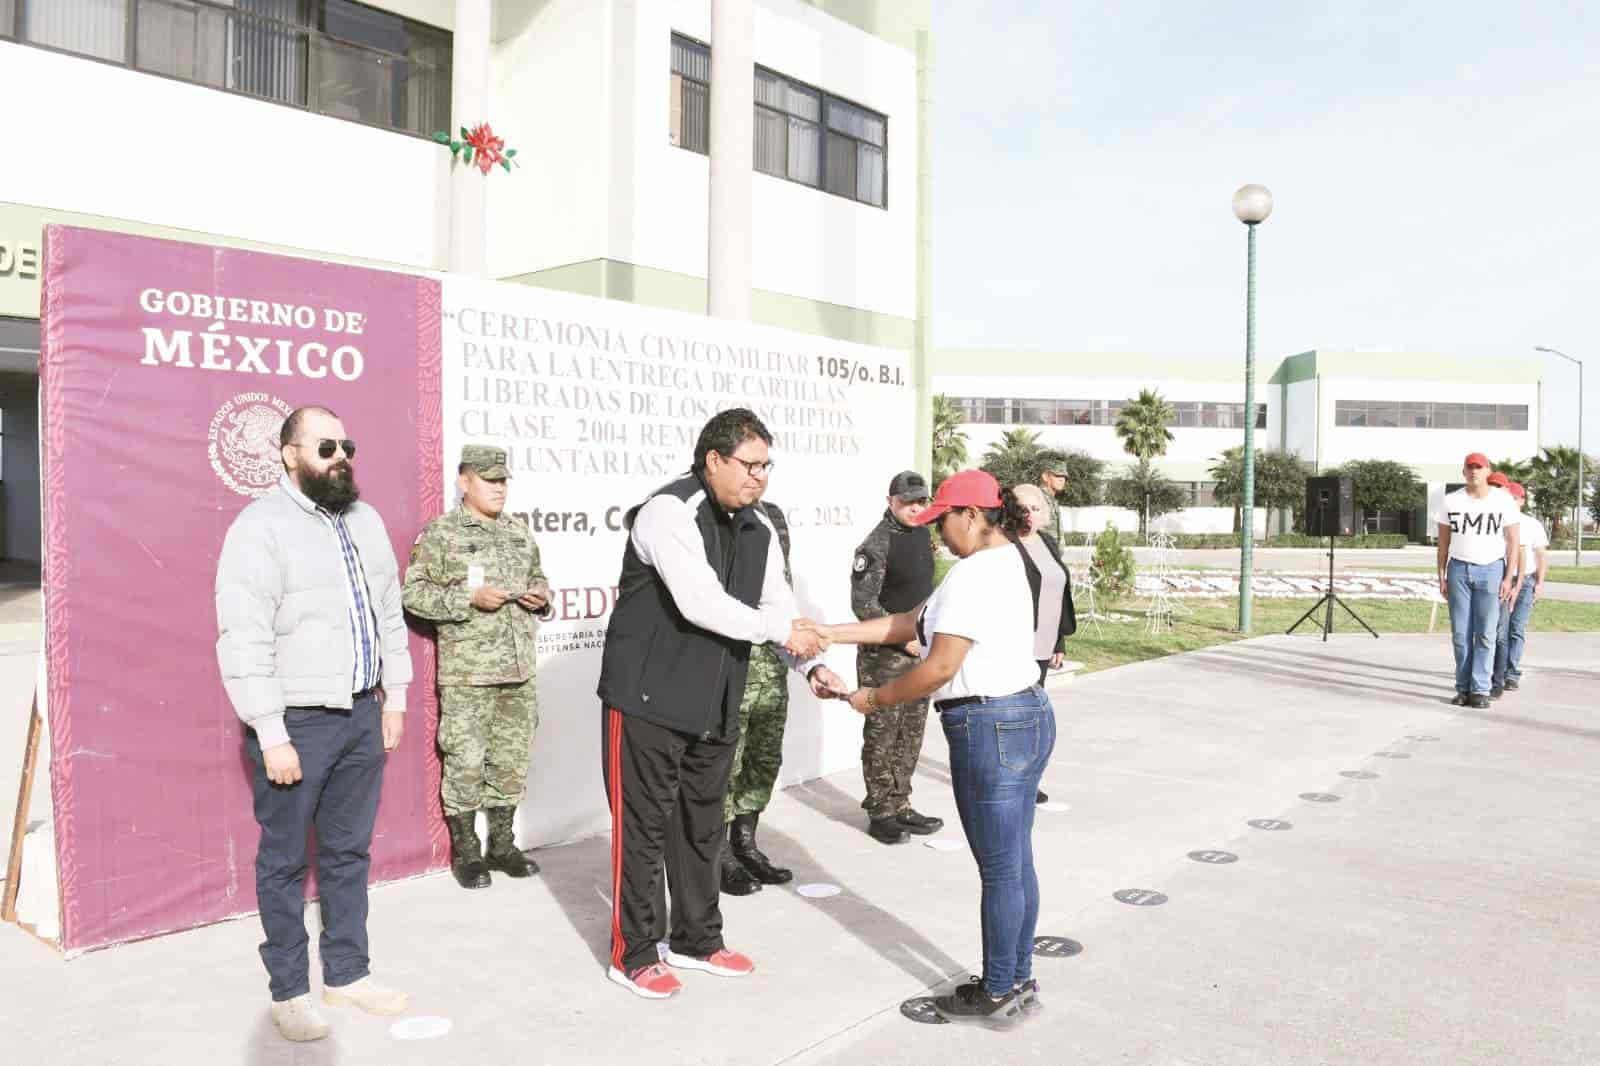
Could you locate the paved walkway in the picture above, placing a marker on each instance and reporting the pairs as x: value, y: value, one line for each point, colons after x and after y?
x: 1445, y: 909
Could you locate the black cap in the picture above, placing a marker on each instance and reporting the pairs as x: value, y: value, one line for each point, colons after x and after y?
x: 908, y: 486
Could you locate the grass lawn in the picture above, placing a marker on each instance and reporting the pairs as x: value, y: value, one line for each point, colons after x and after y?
x: 1575, y: 575
x: 1208, y: 622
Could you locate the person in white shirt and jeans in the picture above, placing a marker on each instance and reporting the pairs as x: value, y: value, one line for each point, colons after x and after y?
x: 977, y: 638
x: 1513, y: 629
x: 1478, y: 555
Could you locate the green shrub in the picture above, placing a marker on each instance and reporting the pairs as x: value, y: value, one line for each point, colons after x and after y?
x: 1112, y: 566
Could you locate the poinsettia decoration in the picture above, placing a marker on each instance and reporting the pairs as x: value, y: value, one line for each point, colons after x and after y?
x: 479, y: 146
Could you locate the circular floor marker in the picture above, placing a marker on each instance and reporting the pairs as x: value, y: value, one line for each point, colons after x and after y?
x: 819, y: 890
x: 1319, y: 797
x: 1358, y: 775
x: 1269, y: 823
x: 921, y: 1010
x: 421, y: 1027
x: 1424, y: 737
x: 1055, y: 806
x: 1056, y: 947
x: 943, y: 844
x: 1139, y: 897
x: 1392, y: 754
x: 1215, y: 858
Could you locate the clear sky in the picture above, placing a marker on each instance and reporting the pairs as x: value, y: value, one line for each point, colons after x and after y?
x: 1435, y: 167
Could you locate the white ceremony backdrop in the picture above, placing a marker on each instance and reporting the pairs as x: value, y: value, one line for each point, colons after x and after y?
x: 599, y: 402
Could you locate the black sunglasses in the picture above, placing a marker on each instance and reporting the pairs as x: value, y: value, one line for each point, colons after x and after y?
x: 326, y: 448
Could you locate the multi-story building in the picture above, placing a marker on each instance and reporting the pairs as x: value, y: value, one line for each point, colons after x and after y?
x: 305, y: 127
x: 1329, y: 408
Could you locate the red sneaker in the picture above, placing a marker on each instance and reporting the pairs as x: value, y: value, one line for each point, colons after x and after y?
x: 652, y: 982
x: 724, y: 963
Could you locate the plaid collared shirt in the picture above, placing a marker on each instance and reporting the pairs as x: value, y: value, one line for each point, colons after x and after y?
x: 363, y: 619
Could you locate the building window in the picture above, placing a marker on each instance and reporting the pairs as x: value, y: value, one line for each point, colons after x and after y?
x: 691, y: 95
x: 802, y: 134
x: 335, y: 57
x: 1390, y: 414
x: 1044, y: 412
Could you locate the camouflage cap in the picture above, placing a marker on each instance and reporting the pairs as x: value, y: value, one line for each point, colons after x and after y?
x: 485, y: 460
x: 1055, y: 464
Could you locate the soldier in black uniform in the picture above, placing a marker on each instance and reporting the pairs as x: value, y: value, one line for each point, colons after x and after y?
x: 893, y: 572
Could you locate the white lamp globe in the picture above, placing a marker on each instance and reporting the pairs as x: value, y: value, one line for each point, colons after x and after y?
x: 1252, y: 204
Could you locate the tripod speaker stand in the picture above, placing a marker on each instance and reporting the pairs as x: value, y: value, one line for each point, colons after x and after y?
x: 1335, y: 495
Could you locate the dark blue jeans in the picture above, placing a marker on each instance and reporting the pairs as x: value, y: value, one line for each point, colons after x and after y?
x: 341, y: 765
x: 998, y: 751
x: 1513, y: 634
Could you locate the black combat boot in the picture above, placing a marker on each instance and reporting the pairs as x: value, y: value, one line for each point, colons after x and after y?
x: 466, y: 861
x: 504, y: 855
x: 742, y: 839
x: 736, y: 880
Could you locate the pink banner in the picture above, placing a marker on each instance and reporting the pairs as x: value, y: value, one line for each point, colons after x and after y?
x: 167, y: 370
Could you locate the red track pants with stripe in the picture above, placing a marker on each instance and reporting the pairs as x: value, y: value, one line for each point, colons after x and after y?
x: 665, y: 790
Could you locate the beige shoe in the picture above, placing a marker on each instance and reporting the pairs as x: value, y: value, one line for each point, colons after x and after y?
x: 367, y: 994
x: 297, y: 1019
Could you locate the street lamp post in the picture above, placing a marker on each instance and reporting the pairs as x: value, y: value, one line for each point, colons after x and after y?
x: 1251, y: 205
x: 1577, y: 518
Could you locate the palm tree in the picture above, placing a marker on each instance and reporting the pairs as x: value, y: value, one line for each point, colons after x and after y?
x: 949, y: 443
x: 1553, y: 482
x: 1012, y: 460
x: 1142, y: 425
x: 1511, y: 468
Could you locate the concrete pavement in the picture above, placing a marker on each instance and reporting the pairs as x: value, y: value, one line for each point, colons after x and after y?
x: 1446, y: 910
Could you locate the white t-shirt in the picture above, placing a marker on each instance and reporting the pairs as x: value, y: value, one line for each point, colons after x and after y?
x: 1534, y: 538
x: 985, y: 598
x: 1478, y: 524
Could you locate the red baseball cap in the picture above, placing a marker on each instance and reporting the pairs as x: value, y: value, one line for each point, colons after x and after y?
x: 969, y: 488
x: 1497, y: 478
x: 1516, y: 489
x: 1476, y: 459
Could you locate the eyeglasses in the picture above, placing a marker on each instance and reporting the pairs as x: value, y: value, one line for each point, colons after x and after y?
x: 756, y: 469
x: 326, y: 447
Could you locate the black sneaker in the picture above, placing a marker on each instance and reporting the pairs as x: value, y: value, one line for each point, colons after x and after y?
x: 1027, y: 993
x: 1496, y: 692
x: 970, y: 1003
x: 1460, y: 700
x: 1041, y: 797
x: 920, y: 824
x: 1512, y: 685
x: 887, y: 831
x: 1478, y: 701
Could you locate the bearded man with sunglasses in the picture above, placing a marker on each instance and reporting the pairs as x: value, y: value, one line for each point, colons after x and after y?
x: 312, y: 649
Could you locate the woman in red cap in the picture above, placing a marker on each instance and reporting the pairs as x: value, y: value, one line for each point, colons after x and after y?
x: 976, y: 631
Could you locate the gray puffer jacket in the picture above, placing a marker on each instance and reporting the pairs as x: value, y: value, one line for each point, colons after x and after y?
x: 283, y: 627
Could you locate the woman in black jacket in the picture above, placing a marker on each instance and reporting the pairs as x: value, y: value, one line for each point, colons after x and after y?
x: 1051, y: 583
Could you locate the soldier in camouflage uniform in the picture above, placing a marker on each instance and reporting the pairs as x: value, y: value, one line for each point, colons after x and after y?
x: 475, y: 574
x: 1053, y: 479
x: 759, y: 753
x: 893, y: 572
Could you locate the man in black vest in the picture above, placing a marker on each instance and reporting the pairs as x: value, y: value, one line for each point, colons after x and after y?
x: 893, y: 572
x: 702, y: 580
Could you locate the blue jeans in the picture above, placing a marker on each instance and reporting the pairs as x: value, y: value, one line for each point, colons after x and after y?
x: 1512, y: 635
x: 1474, y: 614
x: 341, y: 767
x: 998, y: 751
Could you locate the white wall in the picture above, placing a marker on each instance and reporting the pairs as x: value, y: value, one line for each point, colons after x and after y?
x: 1189, y: 455
x: 1434, y: 453
x: 552, y: 74
x: 150, y: 149
x: 1301, y: 412
x: 584, y: 86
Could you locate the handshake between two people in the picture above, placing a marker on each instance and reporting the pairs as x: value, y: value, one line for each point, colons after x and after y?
x: 809, y: 639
